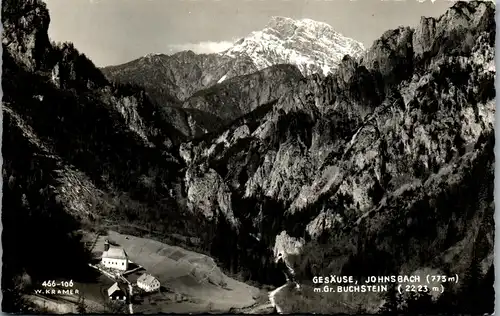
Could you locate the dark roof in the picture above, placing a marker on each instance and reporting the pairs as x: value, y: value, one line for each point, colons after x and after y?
x: 116, y: 287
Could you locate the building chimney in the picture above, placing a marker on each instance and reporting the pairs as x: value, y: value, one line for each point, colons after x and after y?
x: 106, y: 245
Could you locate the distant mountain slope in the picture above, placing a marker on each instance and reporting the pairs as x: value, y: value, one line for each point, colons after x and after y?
x: 209, y: 102
x: 180, y: 79
x: 170, y: 79
x: 314, y: 47
x: 238, y: 96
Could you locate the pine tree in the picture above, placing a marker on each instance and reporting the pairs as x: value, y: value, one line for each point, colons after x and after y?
x: 81, y: 306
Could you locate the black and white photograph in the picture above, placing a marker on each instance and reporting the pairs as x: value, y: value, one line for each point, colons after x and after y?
x: 248, y: 157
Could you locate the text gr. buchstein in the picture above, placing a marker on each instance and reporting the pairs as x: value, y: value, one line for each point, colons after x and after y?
x: 352, y: 289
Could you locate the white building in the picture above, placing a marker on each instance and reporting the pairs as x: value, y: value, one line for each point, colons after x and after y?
x: 148, y: 283
x: 114, y: 258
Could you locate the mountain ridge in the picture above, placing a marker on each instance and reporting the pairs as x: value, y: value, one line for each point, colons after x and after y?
x: 175, y: 80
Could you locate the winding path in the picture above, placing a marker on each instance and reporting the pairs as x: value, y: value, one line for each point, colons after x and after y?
x: 130, y: 305
x: 273, y: 300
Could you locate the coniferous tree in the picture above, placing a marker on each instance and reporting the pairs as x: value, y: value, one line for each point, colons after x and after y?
x: 81, y: 306
x: 471, y: 292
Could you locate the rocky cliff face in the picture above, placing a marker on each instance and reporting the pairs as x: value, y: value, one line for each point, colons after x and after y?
x: 366, y: 149
x: 25, y: 33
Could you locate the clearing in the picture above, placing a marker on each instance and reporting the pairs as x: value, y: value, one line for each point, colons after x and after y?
x: 191, y: 282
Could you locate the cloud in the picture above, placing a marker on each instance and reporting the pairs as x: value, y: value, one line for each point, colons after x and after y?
x: 203, y: 47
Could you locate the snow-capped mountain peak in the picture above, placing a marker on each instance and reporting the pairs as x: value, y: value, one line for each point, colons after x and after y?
x: 310, y: 45
x: 287, y: 26
x: 150, y: 55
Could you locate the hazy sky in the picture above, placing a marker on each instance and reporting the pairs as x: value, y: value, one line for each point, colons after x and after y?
x: 116, y: 31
